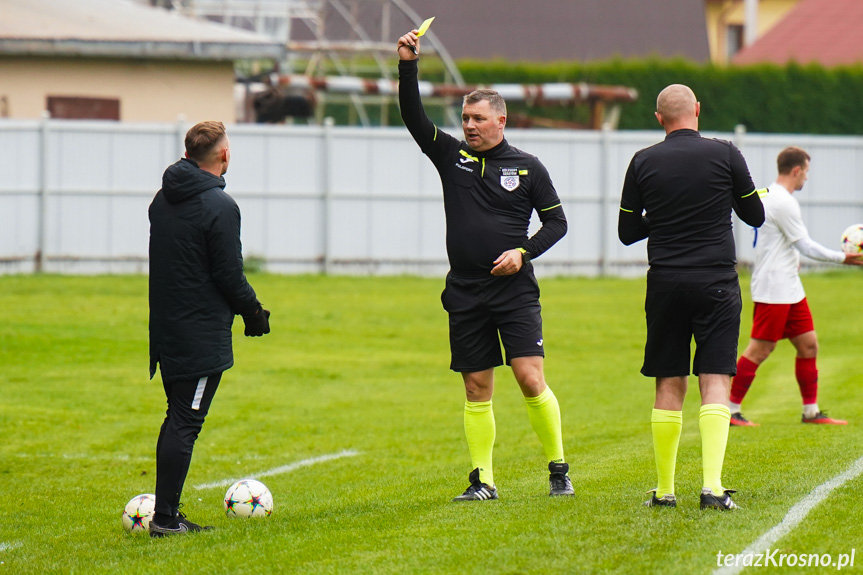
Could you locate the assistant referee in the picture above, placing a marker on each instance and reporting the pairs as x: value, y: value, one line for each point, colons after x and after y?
x: 490, y: 190
x: 679, y: 194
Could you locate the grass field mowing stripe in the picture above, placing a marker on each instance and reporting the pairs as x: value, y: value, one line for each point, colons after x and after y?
x: 794, y: 516
x: 283, y: 469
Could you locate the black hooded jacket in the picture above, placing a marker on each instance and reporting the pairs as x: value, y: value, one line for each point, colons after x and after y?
x: 197, y: 283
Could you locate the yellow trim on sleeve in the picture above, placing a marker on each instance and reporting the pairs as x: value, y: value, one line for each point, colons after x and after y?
x: 761, y: 193
x: 622, y: 209
x: 482, y: 173
x: 522, y: 250
x: 550, y: 208
x: 468, y: 156
x: 435, y: 135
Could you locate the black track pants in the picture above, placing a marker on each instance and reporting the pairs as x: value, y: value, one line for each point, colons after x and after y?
x: 188, y: 404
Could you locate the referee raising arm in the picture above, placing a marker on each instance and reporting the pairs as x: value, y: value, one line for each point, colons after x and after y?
x: 490, y: 190
x: 679, y: 195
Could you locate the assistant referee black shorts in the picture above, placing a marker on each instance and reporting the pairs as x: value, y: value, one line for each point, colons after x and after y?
x: 682, y: 304
x: 481, y: 308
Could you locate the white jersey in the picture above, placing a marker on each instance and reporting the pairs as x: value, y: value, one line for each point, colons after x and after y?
x: 775, y: 275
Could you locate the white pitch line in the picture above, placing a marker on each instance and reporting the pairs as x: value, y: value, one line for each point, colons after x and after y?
x: 8, y: 546
x: 283, y: 469
x: 794, y: 516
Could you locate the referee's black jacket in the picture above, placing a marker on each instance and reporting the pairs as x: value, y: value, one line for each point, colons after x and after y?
x: 197, y: 283
x: 685, y: 187
x: 488, y: 196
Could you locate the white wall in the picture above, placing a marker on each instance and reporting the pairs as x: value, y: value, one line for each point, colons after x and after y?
x: 345, y: 200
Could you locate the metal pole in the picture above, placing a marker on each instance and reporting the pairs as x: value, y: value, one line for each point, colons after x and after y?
x: 41, y: 237
x: 739, y: 134
x: 181, y: 137
x: 327, y: 193
x: 604, y: 192
x: 750, y: 31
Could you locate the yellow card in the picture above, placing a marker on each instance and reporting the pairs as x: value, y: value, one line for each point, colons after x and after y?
x: 425, y: 26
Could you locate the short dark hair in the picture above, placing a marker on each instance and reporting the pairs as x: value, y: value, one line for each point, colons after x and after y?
x: 495, y: 100
x: 789, y: 158
x: 202, y: 138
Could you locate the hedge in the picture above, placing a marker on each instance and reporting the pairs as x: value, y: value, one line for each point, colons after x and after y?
x: 765, y: 98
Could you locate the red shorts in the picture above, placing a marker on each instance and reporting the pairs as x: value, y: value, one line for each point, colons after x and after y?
x: 775, y: 321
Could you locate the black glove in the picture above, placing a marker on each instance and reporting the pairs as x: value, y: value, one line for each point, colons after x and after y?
x: 258, y: 324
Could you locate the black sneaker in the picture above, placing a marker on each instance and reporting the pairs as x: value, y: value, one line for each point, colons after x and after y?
x: 560, y: 482
x: 178, y: 526
x: 667, y: 500
x: 477, y: 491
x: 710, y: 500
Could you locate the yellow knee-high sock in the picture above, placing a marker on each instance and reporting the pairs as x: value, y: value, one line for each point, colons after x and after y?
x: 544, y: 413
x: 480, y: 432
x: 666, y: 427
x: 713, y: 423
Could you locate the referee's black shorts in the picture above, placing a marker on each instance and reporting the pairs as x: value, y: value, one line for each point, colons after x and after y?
x: 682, y: 304
x: 481, y: 308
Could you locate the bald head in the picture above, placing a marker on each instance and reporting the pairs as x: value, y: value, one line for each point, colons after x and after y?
x: 677, y: 108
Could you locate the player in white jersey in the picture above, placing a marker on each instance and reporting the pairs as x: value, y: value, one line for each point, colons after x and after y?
x: 781, y: 310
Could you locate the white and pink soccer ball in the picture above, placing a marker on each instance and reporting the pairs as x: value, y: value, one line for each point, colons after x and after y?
x: 852, y: 239
x: 248, y: 498
x: 138, y: 512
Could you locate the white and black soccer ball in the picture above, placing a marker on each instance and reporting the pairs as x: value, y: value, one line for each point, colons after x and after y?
x: 248, y: 498
x: 852, y: 239
x: 138, y: 512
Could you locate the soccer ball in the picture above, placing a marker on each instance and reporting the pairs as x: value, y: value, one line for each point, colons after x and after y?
x: 852, y: 239
x: 248, y: 498
x: 138, y: 512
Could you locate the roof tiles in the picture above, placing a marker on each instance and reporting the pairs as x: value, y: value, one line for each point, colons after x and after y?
x: 829, y: 32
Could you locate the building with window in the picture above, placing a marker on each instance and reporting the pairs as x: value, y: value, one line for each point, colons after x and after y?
x: 827, y: 32
x: 728, y: 23
x: 119, y: 60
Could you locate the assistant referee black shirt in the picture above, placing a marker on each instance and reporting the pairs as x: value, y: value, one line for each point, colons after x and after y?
x: 679, y: 194
x: 488, y: 196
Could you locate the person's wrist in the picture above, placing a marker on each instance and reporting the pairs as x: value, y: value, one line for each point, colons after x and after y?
x: 258, y: 308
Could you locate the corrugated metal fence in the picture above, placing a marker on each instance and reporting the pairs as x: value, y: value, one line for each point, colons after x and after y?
x: 74, y: 195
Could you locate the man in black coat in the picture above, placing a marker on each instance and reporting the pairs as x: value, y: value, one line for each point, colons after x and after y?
x: 197, y: 286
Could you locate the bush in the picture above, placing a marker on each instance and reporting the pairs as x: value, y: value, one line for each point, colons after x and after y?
x: 765, y: 98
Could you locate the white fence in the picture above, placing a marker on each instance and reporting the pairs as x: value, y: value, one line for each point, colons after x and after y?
x: 74, y: 195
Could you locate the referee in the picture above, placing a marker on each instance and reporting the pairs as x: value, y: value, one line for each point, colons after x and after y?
x: 490, y: 190
x: 679, y: 195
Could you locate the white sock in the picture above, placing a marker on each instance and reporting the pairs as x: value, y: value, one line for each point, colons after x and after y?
x: 734, y: 407
x: 810, y: 410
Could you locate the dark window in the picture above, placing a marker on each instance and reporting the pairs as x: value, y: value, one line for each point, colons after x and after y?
x: 733, y: 40
x: 75, y: 108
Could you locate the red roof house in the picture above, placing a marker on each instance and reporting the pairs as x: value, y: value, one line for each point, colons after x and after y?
x: 829, y: 32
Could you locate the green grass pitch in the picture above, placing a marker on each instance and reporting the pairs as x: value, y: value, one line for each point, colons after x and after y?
x: 362, y: 364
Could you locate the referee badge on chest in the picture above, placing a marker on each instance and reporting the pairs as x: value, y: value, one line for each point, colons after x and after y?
x: 509, y: 178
